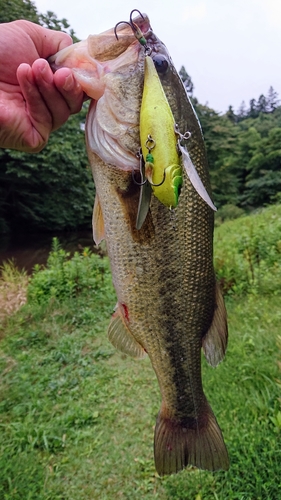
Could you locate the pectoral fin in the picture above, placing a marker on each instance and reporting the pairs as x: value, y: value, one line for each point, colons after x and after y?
x: 214, y: 343
x: 121, y: 337
x: 98, y: 223
x: 194, y: 178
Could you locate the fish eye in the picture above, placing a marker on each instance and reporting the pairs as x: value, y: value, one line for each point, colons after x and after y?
x: 161, y: 64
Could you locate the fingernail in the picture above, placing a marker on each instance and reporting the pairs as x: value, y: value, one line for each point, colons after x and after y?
x: 47, y: 74
x: 29, y: 75
x: 69, y: 83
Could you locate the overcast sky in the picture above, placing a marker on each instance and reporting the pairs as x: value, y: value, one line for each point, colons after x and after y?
x: 230, y: 48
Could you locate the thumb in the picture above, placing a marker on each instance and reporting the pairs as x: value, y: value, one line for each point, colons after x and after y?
x: 46, y: 41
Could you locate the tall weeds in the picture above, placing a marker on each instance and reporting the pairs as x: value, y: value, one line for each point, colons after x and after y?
x: 13, y: 288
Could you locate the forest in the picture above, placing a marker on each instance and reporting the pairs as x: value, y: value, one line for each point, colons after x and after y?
x: 243, y: 149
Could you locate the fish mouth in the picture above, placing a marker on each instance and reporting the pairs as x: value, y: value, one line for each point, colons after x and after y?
x: 98, y: 55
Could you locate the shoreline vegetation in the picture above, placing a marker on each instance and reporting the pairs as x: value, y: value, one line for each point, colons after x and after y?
x: 77, y: 416
x: 13, y: 289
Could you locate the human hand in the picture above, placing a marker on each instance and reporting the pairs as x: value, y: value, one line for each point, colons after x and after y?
x: 33, y: 101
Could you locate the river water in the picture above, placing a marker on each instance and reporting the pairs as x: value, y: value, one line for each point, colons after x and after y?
x: 30, y: 249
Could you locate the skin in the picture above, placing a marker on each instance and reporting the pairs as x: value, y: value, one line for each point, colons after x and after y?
x: 33, y: 101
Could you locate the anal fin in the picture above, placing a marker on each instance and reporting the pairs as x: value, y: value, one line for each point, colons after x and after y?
x: 214, y: 342
x: 121, y: 337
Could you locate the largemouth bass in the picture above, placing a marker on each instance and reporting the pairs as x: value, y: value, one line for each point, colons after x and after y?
x: 169, y: 304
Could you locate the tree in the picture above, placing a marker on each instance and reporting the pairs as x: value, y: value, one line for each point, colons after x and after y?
x: 51, y: 21
x: 262, y: 106
x: 10, y: 10
x: 186, y: 79
x: 49, y: 190
x: 272, y: 100
x: 253, y: 111
x: 242, y: 111
x: 263, y: 181
x: 18, y: 9
x: 231, y: 115
x: 244, y: 156
x: 220, y: 136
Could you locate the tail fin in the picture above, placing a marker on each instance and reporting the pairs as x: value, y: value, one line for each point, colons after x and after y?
x: 178, y: 443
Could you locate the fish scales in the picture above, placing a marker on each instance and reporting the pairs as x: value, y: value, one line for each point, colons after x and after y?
x: 162, y: 266
x: 168, y: 300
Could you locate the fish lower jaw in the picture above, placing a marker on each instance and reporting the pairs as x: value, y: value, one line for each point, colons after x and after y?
x: 109, y: 146
x: 125, y: 161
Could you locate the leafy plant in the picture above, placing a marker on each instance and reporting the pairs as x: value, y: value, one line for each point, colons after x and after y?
x: 66, y: 277
x: 228, y: 212
x: 248, y: 253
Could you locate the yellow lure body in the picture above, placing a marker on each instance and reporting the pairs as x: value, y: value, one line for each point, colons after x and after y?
x: 157, y: 121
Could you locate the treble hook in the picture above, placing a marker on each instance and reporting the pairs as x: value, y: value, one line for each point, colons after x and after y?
x: 131, y: 15
x: 160, y: 183
x: 136, y: 30
x: 144, y: 179
x: 141, y: 170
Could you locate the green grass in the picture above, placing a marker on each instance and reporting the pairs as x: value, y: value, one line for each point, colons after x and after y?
x: 77, y: 417
x: 248, y: 253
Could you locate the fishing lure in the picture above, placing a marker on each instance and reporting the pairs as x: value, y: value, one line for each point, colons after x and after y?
x: 163, y: 168
x: 162, y: 155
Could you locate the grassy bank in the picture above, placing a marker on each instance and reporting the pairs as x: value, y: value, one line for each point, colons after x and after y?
x: 77, y: 417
